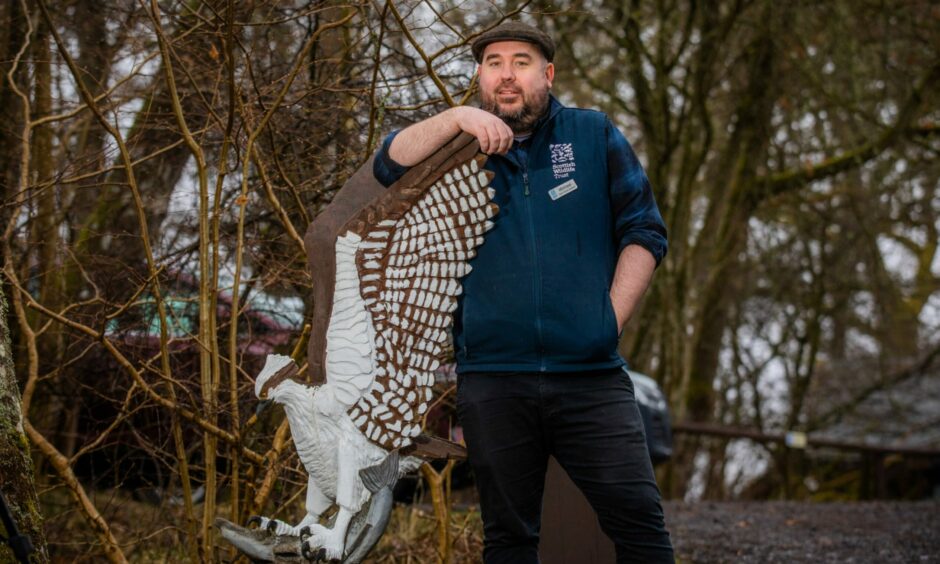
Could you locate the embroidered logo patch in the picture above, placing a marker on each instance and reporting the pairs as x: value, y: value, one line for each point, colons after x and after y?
x: 562, y: 159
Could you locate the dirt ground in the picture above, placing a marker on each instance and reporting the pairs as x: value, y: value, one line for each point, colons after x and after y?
x: 706, y: 532
x: 765, y: 532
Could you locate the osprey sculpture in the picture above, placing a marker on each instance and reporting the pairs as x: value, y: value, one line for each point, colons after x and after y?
x: 386, y: 266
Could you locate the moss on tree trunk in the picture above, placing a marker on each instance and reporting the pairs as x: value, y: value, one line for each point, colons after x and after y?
x: 16, y: 467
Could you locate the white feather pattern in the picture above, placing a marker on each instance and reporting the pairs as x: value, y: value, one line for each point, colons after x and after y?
x: 350, y: 363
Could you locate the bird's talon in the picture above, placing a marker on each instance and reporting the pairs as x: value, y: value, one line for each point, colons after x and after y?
x: 255, y: 519
x: 272, y: 526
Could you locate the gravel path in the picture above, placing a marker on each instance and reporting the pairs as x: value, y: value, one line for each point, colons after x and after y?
x: 765, y: 532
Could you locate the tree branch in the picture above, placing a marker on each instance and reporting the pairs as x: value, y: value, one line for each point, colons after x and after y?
x: 428, y: 61
x: 61, y: 465
x: 918, y: 368
x: 782, y: 183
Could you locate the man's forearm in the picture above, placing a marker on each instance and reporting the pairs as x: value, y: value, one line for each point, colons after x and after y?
x: 631, y: 279
x: 416, y: 142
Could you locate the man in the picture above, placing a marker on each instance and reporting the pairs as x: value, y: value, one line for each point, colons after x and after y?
x: 574, y: 247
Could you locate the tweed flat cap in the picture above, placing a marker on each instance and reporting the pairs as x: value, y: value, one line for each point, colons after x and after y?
x: 514, y: 31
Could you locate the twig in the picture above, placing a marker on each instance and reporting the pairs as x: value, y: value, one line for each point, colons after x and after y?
x: 61, y: 465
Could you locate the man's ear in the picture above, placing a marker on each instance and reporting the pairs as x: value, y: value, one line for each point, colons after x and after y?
x: 550, y: 73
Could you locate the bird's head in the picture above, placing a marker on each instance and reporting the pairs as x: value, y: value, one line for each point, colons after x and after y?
x: 277, y: 368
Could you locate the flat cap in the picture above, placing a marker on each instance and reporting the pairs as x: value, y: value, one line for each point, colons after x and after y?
x: 514, y: 31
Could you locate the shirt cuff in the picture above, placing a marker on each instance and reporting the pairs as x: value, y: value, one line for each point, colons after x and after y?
x: 384, y: 168
x: 653, y: 242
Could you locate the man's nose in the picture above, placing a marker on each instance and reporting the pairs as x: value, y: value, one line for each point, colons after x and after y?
x: 507, y: 73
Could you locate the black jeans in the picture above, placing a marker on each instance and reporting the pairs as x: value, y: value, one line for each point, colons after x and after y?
x: 590, y: 423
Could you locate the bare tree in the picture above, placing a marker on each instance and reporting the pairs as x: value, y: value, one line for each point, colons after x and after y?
x: 162, y: 161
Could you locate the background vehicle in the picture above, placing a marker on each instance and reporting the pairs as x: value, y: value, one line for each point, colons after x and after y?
x: 655, y: 413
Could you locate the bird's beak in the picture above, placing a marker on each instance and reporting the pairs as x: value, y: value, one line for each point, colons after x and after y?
x: 262, y: 406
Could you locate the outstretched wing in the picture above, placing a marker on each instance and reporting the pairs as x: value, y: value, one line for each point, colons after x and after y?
x: 412, y: 247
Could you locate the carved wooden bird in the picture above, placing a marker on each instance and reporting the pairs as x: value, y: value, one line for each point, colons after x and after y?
x: 392, y: 281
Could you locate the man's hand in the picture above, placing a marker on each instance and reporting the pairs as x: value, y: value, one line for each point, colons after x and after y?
x: 494, y: 135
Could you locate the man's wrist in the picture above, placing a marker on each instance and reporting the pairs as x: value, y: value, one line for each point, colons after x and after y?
x: 455, y: 118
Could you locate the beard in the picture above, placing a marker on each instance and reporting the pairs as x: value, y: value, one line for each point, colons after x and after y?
x: 522, y: 119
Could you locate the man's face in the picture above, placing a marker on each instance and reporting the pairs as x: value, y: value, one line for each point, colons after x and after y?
x: 514, y: 82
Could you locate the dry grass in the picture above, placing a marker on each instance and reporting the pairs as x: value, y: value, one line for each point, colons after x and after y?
x: 411, y: 539
x: 156, y: 533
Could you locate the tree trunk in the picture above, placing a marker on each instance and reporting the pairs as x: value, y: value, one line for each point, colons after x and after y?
x: 110, y: 232
x: 11, y: 109
x: 16, y: 467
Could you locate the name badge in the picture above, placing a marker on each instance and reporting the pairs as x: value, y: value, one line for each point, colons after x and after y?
x: 562, y: 190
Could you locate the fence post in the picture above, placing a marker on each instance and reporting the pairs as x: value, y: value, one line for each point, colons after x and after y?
x: 570, y: 531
